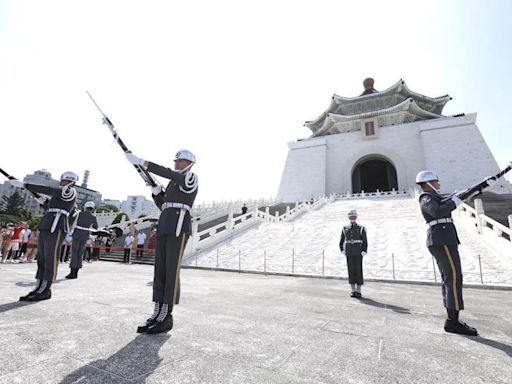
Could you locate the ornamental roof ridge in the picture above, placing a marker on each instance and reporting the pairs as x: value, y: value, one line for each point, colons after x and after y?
x: 408, y: 104
x: 397, y: 87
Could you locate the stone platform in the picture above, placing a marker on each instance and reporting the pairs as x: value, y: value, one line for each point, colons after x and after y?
x: 244, y: 328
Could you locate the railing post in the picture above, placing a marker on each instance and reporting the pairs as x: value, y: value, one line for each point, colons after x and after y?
x: 230, y: 225
x: 510, y: 226
x: 323, y: 262
x: 239, y: 261
x: 393, y: 263
x: 195, y: 239
x: 479, y: 208
x: 267, y: 212
x: 196, y: 260
x: 434, y: 269
x: 293, y: 261
x: 217, y: 258
x: 481, y: 275
x: 265, y: 262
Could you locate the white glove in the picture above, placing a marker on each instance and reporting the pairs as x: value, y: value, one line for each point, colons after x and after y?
x: 157, y: 190
x: 42, y: 200
x: 134, y: 159
x: 363, y: 253
x: 343, y: 252
x: 456, y: 200
x: 16, y: 183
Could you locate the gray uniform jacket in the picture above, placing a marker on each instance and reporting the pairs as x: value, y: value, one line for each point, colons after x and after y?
x: 176, y: 192
x: 85, y: 220
x: 353, y: 239
x: 62, y: 198
x: 432, y: 208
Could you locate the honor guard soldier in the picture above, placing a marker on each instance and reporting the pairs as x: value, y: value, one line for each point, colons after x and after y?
x: 85, y: 223
x: 52, y: 230
x: 442, y: 243
x: 354, y: 244
x: 173, y: 231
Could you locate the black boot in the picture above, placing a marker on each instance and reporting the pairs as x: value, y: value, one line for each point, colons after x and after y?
x: 161, y: 326
x: 31, y: 293
x: 151, y: 321
x: 44, y: 295
x: 144, y: 328
x: 73, y: 274
x: 460, y: 327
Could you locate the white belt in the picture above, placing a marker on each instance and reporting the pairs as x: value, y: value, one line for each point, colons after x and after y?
x: 84, y: 228
x: 354, y: 241
x: 176, y: 205
x: 58, y: 212
x: 439, y: 221
x: 183, y: 208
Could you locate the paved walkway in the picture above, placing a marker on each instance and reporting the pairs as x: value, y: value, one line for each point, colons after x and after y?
x: 243, y: 328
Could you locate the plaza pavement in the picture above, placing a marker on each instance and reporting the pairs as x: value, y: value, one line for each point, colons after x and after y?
x: 245, y: 328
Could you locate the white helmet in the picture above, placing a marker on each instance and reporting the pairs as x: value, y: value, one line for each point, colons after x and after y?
x: 70, y: 176
x: 185, y: 154
x: 425, y: 177
x: 352, y: 213
x: 90, y: 204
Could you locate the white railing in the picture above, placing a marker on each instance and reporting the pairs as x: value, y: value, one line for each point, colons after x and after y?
x: 481, y: 220
x: 218, y: 233
x: 350, y: 195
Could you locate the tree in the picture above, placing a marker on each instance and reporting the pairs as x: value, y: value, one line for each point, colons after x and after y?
x: 34, y: 221
x: 118, y: 218
x: 13, y: 204
x: 107, y: 208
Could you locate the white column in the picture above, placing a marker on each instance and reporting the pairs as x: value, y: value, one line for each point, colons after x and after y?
x: 479, y: 208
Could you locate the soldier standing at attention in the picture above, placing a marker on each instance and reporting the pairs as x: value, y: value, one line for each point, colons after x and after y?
x: 353, y: 244
x: 52, y: 229
x: 442, y: 243
x: 86, y: 220
x: 173, y: 231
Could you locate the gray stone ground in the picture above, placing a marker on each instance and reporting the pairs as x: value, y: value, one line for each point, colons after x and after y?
x: 244, y: 328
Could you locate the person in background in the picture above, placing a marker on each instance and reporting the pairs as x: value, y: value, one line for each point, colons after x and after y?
x: 128, y: 241
x: 141, y: 239
x: 32, y: 247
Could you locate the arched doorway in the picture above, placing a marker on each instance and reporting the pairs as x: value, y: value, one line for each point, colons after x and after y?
x: 374, y: 173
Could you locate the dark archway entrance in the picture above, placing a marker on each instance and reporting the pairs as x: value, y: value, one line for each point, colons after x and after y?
x: 374, y: 174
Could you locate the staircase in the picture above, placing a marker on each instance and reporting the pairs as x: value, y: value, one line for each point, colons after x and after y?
x: 396, y: 237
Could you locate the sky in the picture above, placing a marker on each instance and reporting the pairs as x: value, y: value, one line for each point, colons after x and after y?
x: 232, y: 81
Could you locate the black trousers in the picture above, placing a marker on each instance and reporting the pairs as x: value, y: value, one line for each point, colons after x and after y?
x: 355, y: 268
x: 22, y: 250
x: 77, y: 253
x: 448, y: 261
x: 140, y: 251
x: 126, y: 256
x: 64, y: 252
x: 48, y: 248
x: 166, y: 283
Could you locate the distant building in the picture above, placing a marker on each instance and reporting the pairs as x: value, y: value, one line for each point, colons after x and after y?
x: 135, y: 206
x: 115, y: 203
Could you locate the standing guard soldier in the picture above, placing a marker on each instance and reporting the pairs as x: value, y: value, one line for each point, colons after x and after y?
x: 354, y: 244
x: 52, y: 229
x: 81, y: 232
x: 442, y: 243
x: 173, y: 231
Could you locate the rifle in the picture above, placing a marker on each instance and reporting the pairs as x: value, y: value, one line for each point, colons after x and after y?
x: 478, y: 188
x: 43, y: 201
x: 146, y: 176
